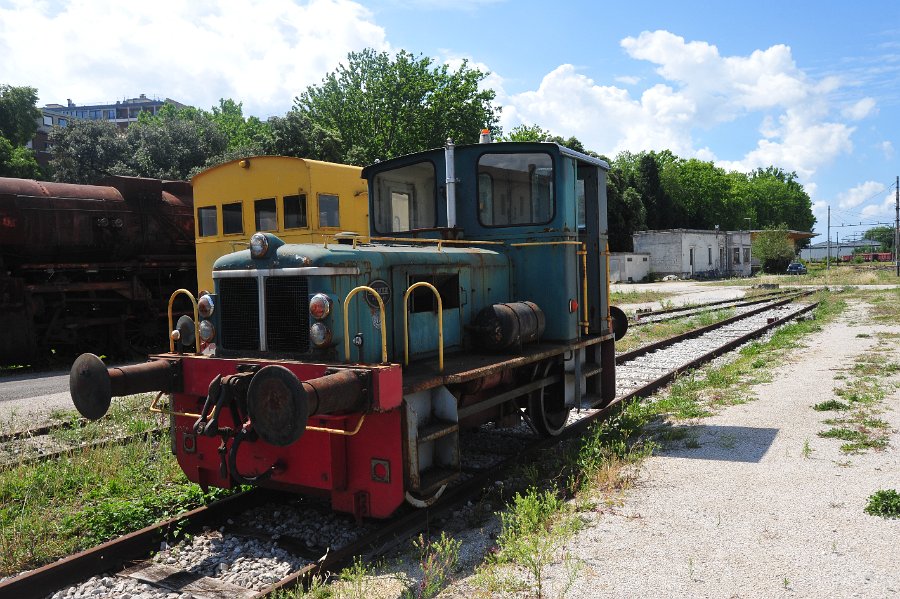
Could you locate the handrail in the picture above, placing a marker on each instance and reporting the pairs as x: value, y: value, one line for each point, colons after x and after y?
x: 440, y: 323
x: 347, y: 322
x: 154, y: 407
x: 534, y: 243
x: 337, y: 431
x: 196, y: 320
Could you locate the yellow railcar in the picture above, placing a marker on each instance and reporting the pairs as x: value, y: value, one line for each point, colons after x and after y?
x: 301, y: 200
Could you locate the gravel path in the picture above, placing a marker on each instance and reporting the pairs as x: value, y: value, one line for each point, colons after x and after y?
x: 746, y: 514
x: 742, y: 510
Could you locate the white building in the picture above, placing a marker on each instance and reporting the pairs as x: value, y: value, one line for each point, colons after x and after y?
x: 627, y: 267
x: 696, y: 253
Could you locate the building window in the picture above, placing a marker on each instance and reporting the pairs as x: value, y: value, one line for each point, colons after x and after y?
x: 62, y: 122
x: 746, y: 255
x: 232, y: 219
x: 645, y: 259
x: 266, y: 216
x: 709, y: 255
x: 295, y: 211
x: 628, y: 259
x: 328, y: 211
x: 736, y: 256
x: 48, y: 121
x: 206, y: 221
x: 691, y: 257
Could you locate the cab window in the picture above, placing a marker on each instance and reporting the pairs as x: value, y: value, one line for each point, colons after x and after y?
x: 266, y: 218
x: 295, y: 212
x: 206, y: 221
x: 405, y: 198
x: 232, y: 219
x: 515, y: 189
x: 328, y: 211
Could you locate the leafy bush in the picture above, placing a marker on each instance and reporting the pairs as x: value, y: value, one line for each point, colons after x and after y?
x: 884, y: 503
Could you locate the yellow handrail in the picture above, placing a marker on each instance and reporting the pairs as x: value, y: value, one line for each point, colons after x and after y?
x: 534, y: 243
x: 347, y: 322
x: 440, y: 324
x: 337, y: 431
x: 196, y: 320
x: 155, y: 408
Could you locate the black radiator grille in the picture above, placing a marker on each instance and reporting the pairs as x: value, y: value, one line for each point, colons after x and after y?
x: 240, y: 313
x: 287, y: 314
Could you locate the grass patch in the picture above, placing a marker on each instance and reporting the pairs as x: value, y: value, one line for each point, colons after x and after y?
x: 656, y: 331
x: 830, y: 405
x: 617, y: 298
x: 52, y: 509
x: 884, y: 503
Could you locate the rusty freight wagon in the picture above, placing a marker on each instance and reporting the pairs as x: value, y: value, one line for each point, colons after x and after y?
x: 90, y: 267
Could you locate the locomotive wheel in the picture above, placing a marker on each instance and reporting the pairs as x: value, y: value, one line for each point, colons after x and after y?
x: 547, y: 406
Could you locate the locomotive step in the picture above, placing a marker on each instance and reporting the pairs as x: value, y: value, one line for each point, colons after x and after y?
x: 432, y: 479
x: 436, y: 430
x: 591, y: 369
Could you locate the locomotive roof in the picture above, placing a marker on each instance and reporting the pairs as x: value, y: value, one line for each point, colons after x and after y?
x: 500, y: 146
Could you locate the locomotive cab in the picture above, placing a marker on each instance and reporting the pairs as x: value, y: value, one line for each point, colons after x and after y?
x: 480, y: 295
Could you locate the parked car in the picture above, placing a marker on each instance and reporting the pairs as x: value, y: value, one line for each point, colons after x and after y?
x: 796, y: 268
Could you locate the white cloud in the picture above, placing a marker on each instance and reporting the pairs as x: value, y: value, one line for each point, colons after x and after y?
x: 887, y: 148
x: 861, y: 193
x: 628, y: 80
x: 263, y: 52
x: 799, y: 128
x: 884, y: 211
x: 859, y: 110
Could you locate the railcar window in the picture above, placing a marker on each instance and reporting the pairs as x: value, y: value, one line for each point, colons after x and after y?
x: 206, y: 220
x: 329, y: 215
x: 405, y: 198
x: 266, y: 218
x: 295, y: 212
x: 232, y: 219
x: 521, y: 189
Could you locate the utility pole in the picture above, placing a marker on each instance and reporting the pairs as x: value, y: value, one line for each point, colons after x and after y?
x: 897, y: 224
x: 828, y: 245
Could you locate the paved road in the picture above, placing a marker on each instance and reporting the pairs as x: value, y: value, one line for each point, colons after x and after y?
x: 27, y: 395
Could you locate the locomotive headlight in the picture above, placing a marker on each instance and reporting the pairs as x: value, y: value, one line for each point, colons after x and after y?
x: 319, y: 335
x: 259, y: 245
x: 320, y: 306
x: 207, y: 331
x: 206, y: 306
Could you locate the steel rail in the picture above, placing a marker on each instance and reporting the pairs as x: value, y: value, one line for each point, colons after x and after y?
x: 113, y: 554
x: 657, y: 345
x: 704, y: 308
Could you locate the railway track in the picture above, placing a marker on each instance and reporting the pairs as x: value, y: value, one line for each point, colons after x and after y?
x: 656, y: 316
x: 251, y: 545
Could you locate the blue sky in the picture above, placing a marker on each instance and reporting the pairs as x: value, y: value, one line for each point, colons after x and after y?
x: 811, y: 87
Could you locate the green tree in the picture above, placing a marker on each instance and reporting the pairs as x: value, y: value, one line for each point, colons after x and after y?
x: 773, y: 248
x: 86, y: 151
x: 884, y: 236
x: 525, y: 133
x: 378, y: 107
x: 295, y: 134
x: 18, y: 114
x: 172, y: 144
x: 249, y: 134
x: 776, y: 197
x: 17, y: 161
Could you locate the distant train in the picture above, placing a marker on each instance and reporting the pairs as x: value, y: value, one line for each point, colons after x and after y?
x: 90, y: 266
x: 349, y: 369
x: 869, y: 257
